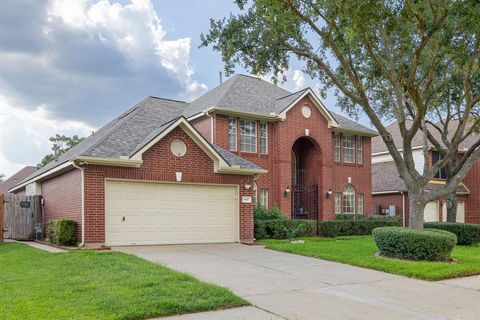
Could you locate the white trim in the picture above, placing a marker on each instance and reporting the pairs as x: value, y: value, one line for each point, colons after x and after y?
x: 43, y: 175
x: 388, y: 152
x: 332, y: 123
x: 386, y: 192
x: 82, y: 188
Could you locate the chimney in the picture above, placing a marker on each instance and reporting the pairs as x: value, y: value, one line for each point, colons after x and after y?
x: 221, y: 77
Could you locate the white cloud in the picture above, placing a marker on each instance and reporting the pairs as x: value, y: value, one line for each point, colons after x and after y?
x: 24, y: 134
x: 298, y: 79
x: 137, y: 32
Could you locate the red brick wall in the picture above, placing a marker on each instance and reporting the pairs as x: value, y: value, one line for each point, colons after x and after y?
x: 385, y: 200
x: 204, y: 126
x: 63, y: 198
x: 281, y: 138
x: 472, y: 204
x: 160, y: 165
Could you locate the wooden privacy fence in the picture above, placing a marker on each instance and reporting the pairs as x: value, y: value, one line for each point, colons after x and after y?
x: 21, y: 216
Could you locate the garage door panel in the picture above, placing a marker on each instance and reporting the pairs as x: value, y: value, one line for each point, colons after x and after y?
x: 162, y: 213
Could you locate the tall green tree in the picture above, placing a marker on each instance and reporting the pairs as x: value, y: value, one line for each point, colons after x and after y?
x: 393, y: 60
x: 60, y: 145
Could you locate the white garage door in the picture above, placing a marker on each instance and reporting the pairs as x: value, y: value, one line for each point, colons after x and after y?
x: 142, y: 213
x: 431, y: 212
x: 460, y: 211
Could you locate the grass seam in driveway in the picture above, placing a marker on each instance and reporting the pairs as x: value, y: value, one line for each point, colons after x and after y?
x: 35, y: 284
x: 360, y: 251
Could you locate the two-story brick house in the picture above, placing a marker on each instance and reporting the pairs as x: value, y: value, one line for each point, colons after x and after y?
x: 389, y: 192
x: 174, y: 172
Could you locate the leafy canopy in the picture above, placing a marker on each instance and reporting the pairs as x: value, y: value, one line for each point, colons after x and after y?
x: 60, y: 145
x: 416, y: 62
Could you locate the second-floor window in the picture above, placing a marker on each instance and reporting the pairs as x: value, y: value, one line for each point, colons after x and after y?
x: 248, y: 136
x: 337, y: 147
x: 232, y: 134
x: 359, y: 150
x: 441, y: 174
x: 263, y: 137
x: 348, y: 149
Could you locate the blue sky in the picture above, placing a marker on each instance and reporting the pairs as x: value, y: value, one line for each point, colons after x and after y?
x: 69, y: 66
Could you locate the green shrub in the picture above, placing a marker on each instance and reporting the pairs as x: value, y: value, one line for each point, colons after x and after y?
x: 261, y: 213
x: 284, y: 228
x: 336, y: 228
x: 466, y: 233
x: 350, y: 217
x: 62, y: 231
x: 426, y: 244
x: 52, y: 230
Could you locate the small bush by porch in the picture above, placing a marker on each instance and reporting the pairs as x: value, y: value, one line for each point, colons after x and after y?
x: 360, y: 251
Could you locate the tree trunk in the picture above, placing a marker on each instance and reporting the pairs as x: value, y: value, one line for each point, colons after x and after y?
x: 417, y: 206
x: 452, y: 207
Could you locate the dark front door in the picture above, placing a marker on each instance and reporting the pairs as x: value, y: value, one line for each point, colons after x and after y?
x: 304, y: 198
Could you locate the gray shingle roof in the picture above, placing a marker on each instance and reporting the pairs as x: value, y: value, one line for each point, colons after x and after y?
x: 385, y: 178
x: 379, y: 146
x: 130, y: 131
x: 348, y: 124
x: 122, y: 134
x: 234, y: 160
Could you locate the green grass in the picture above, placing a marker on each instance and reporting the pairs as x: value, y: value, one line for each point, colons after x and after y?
x: 360, y: 251
x: 98, y: 285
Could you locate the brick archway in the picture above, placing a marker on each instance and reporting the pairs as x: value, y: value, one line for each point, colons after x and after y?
x: 305, y: 178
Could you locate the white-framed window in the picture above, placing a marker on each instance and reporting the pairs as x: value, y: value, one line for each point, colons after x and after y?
x: 248, y: 136
x: 360, y: 203
x: 359, y: 150
x: 337, y: 147
x: 348, y: 149
x: 294, y: 168
x: 263, y: 137
x: 232, y: 134
x: 255, y: 194
x: 348, y: 200
x: 338, y: 203
x: 263, y: 199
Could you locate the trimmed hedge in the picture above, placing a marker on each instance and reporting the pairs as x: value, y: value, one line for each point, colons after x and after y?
x: 350, y: 217
x: 61, y: 231
x: 337, y: 228
x: 466, y: 233
x: 284, y: 228
x: 403, y: 243
x: 261, y: 213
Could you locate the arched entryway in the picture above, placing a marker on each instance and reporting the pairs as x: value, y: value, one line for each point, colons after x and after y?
x: 306, y: 175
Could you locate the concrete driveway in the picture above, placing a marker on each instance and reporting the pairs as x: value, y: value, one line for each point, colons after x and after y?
x: 297, y: 287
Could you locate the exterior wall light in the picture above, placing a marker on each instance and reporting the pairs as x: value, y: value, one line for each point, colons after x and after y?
x: 329, y: 193
x: 287, y: 191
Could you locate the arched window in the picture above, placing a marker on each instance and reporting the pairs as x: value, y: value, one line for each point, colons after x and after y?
x: 349, y: 200
x: 294, y: 168
x: 255, y: 194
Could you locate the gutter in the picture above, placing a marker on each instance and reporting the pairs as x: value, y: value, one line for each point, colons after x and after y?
x: 82, y: 179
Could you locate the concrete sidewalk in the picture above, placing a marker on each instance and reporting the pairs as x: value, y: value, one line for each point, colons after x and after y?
x: 245, y: 313
x: 298, y: 287
x: 40, y: 246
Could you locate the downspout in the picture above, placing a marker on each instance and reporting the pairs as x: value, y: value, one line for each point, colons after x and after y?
x: 82, y: 188
x: 403, y: 206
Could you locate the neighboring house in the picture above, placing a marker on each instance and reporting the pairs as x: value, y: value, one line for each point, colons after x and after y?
x: 16, y: 178
x: 390, y: 193
x: 174, y: 172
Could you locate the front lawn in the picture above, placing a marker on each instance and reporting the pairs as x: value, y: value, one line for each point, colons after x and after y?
x: 98, y: 285
x: 360, y: 251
